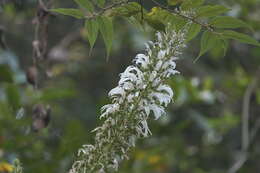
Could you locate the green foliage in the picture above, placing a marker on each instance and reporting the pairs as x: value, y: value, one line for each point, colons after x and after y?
x: 193, y: 31
x: 240, y: 37
x: 208, y: 41
x: 85, y: 4
x: 228, y: 22
x: 92, y: 29
x: 70, y: 12
x: 126, y: 10
x: 211, y: 10
x: 191, y: 4
x: 106, y: 29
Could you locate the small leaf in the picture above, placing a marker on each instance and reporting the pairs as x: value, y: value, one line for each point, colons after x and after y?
x: 92, y: 28
x: 189, y: 4
x: 13, y: 96
x: 69, y: 12
x: 100, y: 3
x: 193, y: 31
x: 211, y: 10
x: 208, y: 41
x: 5, y: 74
x: 228, y: 22
x: 85, y: 4
x: 106, y: 29
x: 243, y: 38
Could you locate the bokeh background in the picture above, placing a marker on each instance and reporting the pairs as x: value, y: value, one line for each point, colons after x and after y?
x: 201, y: 132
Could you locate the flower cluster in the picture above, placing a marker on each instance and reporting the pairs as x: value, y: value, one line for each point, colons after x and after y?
x: 141, y: 92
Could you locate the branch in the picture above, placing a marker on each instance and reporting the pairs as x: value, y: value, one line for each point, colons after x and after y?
x: 204, y: 25
x: 247, y: 137
x: 103, y: 10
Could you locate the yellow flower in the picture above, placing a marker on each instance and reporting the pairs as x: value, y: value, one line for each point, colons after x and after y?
x: 5, y: 167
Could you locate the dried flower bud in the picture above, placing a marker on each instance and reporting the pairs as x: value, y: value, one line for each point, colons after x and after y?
x: 41, y: 117
x: 32, y: 75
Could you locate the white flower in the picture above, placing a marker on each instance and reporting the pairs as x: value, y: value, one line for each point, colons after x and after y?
x: 141, y: 92
x: 109, y: 109
x: 142, y: 60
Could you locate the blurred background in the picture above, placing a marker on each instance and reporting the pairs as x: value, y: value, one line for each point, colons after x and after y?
x: 201, y: 132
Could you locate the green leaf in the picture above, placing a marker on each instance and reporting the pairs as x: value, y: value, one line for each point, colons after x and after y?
x: 126, y: 10
x: 243, y: 38
x: 221, y: 48
x: 188, y: 4
x: 92, y: 28
x: 174, y: 2
x: 211, y: 10
x: 193, y: 31
x: 5, y: 74
x: 208, y: 41
x: 106, y: 29
x: 69, y: 12
x: 100, y: 3
x: 228, y: 22
x: 85, y: 4
x: 13, y: 96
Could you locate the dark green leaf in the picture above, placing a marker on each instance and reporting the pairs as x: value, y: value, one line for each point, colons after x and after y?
x: 92, y: 28
x: 211, y: 10
x: 5, y: 74
x: 69, y: 12
x: 228, y: 22
x: 85, y: 4
x: 193, y: 31
x: 13, y: 96
x: 240, y: 37
x: 106, y: 29
x: 188, y: 4
x: 208, y: 41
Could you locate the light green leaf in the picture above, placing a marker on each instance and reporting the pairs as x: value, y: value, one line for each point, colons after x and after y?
x: 106, y: 29
x: 126, y: 10
x: 92, y: 28
x: 193, y: 31
x: 243, y: 38
x: 188, y: 4
x: 69, y: 12
x: 101, y: 3
x: 208, y: 41
x: 85, y: 4
x: 211, y: 10
x: 228, y: 22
